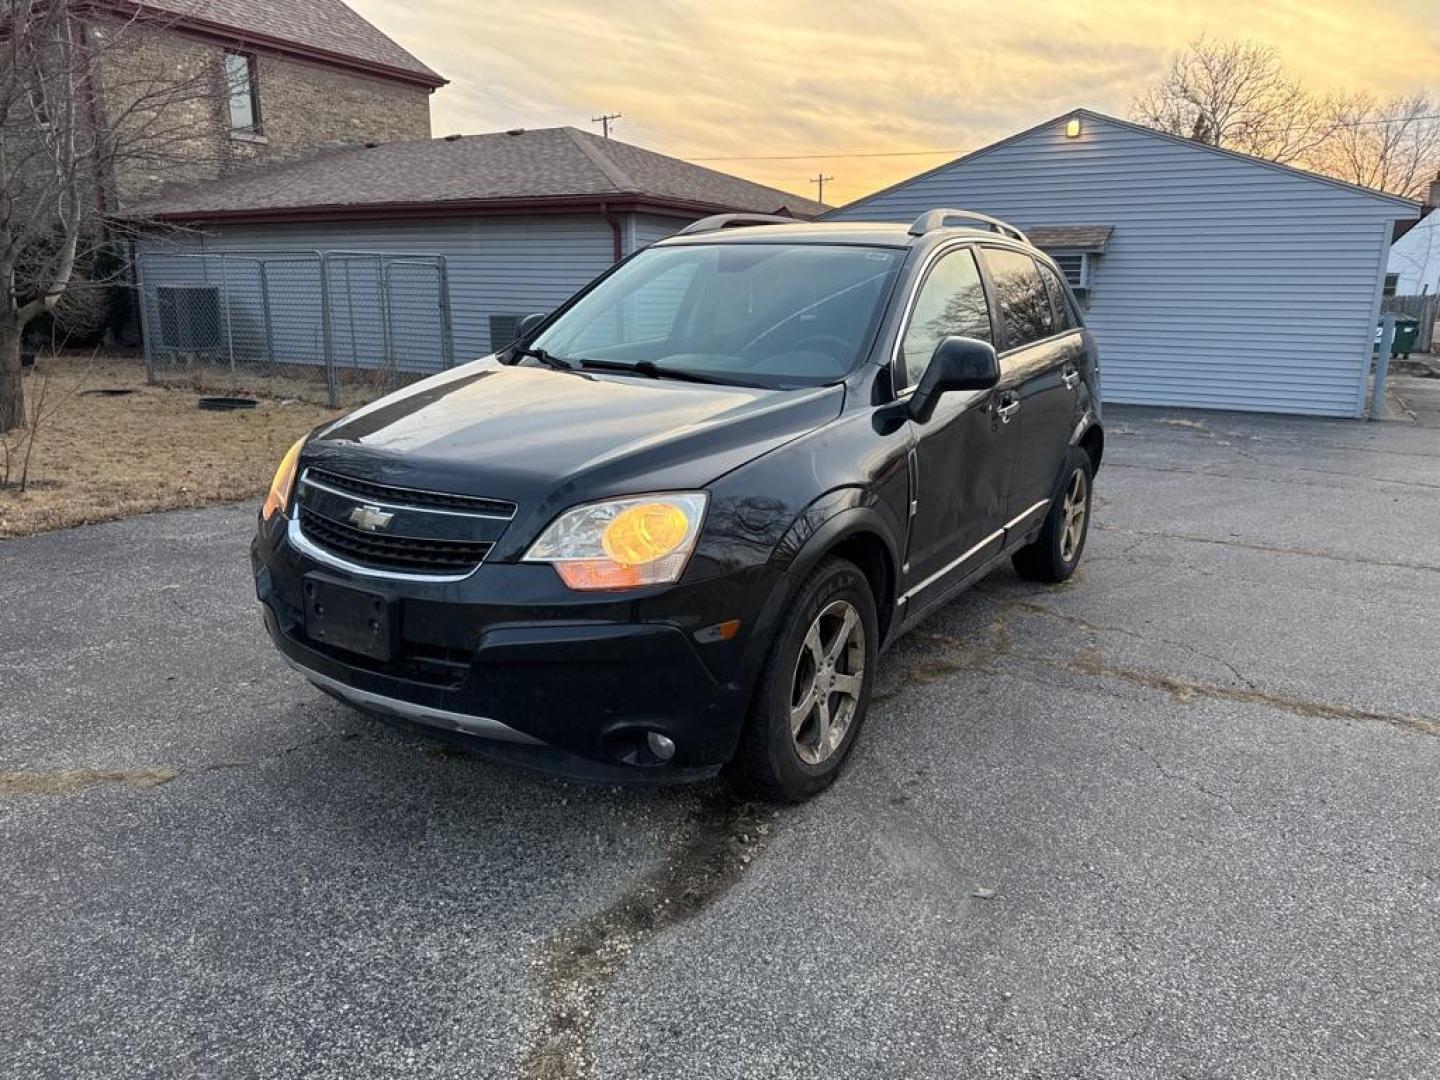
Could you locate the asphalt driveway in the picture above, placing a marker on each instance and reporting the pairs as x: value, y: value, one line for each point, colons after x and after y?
x: 1175, y: 819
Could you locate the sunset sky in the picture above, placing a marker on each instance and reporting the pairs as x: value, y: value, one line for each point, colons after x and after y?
x: 753, y: 78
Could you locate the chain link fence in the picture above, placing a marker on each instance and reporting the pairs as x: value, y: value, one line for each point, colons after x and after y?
x: 337, y: 326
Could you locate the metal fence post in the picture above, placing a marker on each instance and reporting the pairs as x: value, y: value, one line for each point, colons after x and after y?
x: 387, y: 324
x: 145, y: 328
x: 447, y: 339
x: 1382, y: 365
x: 229, y: 333
x: 265, y: 314
x: 332, y: 387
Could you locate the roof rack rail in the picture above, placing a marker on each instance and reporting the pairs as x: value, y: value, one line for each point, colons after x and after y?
x: 733, y: 221
x: 939, y: 219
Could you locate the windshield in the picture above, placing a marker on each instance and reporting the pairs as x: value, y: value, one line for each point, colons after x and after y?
x: 759, y: 314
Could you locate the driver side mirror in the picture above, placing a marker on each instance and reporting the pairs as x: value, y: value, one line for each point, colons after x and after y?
x: 529, y: 324
x: 958, y: 363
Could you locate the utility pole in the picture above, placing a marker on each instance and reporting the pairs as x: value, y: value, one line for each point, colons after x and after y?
x: 821, y: 178
x: 604, y: 121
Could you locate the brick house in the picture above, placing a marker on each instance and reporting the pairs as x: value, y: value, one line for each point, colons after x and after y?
x: 318, y: 145
x: 273, y: 80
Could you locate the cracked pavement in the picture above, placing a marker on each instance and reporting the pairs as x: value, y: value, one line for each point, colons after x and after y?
x: 1175, y: 818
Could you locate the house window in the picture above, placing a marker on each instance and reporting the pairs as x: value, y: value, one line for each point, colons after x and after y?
x: 1392, y: 282
x: 242, y: 87
x: 1075, y: 265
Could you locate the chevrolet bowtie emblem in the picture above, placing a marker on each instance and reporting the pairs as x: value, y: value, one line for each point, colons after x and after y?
x: 370, y: 518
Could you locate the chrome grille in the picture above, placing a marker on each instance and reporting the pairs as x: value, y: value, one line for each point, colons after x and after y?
x: 364, y: 525
x: 439, y: 500
x: 392, y: 552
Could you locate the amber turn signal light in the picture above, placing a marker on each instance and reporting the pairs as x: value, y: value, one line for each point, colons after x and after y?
x: 284, y: 483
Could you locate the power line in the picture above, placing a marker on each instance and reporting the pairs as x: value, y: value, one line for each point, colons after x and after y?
x: 604, y: 121
x: 819, y: 157
x: 1388, y: 120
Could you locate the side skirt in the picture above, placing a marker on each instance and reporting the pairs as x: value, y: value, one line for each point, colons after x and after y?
x: 914, y: 611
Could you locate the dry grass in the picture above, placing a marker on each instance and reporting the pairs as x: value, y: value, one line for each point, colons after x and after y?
x: 297, y: 382
x: 101, y: 458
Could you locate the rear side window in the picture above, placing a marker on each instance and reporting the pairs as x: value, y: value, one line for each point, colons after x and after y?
x: 1064, y: 314
x: 1020, y: 292
x: 951, y: 302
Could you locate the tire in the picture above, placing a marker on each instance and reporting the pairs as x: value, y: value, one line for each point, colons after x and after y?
x: 1055, y: 553
x: 774, y: 761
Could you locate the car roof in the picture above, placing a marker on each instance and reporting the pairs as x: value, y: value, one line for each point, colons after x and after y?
x: 861, y: 233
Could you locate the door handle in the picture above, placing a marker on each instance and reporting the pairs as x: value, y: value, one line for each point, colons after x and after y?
x: 1007, y: 411
x: 1071, y: 378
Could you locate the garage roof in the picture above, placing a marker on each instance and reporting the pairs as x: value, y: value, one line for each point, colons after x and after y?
x: 505, y: 171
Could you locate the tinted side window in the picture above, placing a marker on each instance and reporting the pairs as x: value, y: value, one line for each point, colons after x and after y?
x: 951, y: 302
x: 1020, y: 292
x: 1064, y: 315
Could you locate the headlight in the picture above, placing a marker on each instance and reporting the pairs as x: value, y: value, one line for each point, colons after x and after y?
x: 623, y: 543
x: 283, y: 484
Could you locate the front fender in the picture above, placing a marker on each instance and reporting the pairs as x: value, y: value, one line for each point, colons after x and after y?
x: 817, y: 530
x: 827, y: 521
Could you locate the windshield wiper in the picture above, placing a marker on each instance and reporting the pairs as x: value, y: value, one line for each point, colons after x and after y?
x: 652, y: 370
x: 559, y: 363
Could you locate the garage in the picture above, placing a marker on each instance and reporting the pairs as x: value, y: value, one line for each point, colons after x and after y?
x: 1212, y: 279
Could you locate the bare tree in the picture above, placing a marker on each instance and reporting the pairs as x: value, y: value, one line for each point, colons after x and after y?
x: 1389, y: 144
x: 81, y: 99
x: 1235, y: 95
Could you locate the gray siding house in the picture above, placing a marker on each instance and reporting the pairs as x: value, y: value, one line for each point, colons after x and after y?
x: 522, y: 218
x: 1211, y: 279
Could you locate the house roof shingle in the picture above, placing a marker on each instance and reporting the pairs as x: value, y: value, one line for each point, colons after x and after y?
x: 325, y: 27
x: 548, y: 163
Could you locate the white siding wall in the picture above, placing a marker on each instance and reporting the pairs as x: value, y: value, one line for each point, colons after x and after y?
x: 1226, y: 285
x: 1416, y: 258
x: 496, y: 265
x: 651, y: 227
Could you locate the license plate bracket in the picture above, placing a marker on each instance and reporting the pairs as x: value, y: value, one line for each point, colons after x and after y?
x: 363, y: 621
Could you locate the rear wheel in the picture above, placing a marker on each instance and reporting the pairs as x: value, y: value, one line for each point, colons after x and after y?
x: 814, y: 690
x: 1053, y: 555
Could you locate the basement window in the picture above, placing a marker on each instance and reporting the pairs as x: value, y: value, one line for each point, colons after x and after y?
x: 243, y: 90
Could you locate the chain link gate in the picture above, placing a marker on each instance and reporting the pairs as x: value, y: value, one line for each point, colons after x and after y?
x: 345, y: 325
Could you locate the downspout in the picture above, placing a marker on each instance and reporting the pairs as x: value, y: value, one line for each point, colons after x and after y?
x: 617, y: 249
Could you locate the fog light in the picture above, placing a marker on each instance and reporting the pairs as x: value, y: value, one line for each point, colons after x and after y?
x: 662, y: 746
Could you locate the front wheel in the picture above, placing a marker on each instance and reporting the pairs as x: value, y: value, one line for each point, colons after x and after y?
x: 1053, y: 555
x: 813, y: 692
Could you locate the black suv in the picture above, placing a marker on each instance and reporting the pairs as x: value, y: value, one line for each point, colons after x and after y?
x: 672, y: 527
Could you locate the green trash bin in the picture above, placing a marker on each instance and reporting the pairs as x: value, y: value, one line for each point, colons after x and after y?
x: 1407, y: 332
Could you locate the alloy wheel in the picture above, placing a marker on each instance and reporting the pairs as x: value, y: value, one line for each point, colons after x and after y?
x: 825, y: 689
x: 1073, y: 530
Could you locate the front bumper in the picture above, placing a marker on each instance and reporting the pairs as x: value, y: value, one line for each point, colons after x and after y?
x: 509, y: 660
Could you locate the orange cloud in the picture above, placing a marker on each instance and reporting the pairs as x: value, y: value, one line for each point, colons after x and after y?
x: 752, y: 78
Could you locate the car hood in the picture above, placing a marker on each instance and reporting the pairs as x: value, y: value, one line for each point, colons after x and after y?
x: 547, y: 439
